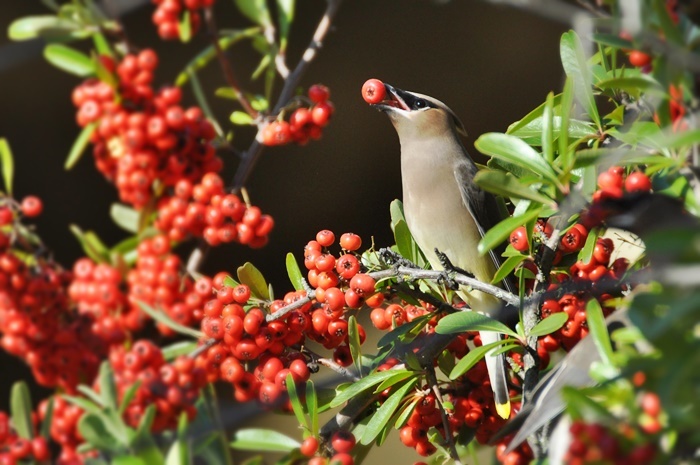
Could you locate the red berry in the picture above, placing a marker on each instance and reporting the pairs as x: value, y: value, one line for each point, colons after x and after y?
x: 350, y: 242
x: 309, y: 446
x: 31, y: 206
x: 373, y: 91
x: 639, y: 59
x: 572, y: 240
x: 321, y: 113
x: 518, y: 239
x: 343, y: 441
x: 319, y: 93
x: 637, y: 182
x: 651, y: 404
x: 325, y: 238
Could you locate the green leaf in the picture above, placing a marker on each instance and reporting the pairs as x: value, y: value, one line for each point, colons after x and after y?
x: 575, y: 129
x: 85, y: 404
x: 263, y: 439
x: 69, y: 59
x: 549, y: 325
x: 91, y: 244
x: 294, y: 273
x: 102, y: 46
x: 599, y: 330
x: 46, y: 26
x: 587, y: 251
x: 472, y: 358
x: 128, y: 396
x: 312, y: 406
x: 21, y: 410
x: 45, y: 430
x: 533, y: 115
x: 634, y: 85
x: 381, y: 417
x: 108, y: 388
x: 508, y: 186
x: 295, y: 401
x: 185, y: 27
x: 514, y: 150
x: 93, y: 428
x: 507, y: 267
x: 174, y: 350
x: 253, y: 278
x: 256, y: 11
x: 241, y: 118
x: 79, y: 146
x: 399, y: 375
x: 179, y: 453
x: 574, y: 61
x: 161, y: 317
x: 7, y: 164
x: 502, y: 230
x: 285, y: 17
x: 354, y: 343
x: 461, y: 322
x: 360, y: 386
x: 125, y: 217
x: 405, y: 244
x: 127, y: 460
x: 144, y: 427
x: 567, y: 100
x: 548, y: 129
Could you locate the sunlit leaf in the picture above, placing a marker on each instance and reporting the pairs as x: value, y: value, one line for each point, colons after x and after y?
x: 549, y: 325
x: 472, y: 358
x: 513, y: 150
x: 461, y: 322
x: 253, y: 278
x: 263, y: 439
x: 21, y: 410
x: 125, y: 217
x: 497, y: 234
x: 599, y: 330
x: 47, y: 26
x: 69, y: 59
x: 381, y: 417
x: 575, y: 65
x: 7, y: 165
x: 508, y: 186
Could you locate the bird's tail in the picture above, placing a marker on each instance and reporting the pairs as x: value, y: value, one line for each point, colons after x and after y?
x: 495, y: 364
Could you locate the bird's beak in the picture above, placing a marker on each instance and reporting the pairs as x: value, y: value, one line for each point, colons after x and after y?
x: 392, y: 101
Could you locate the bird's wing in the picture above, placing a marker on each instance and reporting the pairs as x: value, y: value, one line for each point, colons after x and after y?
x: 481, y: 206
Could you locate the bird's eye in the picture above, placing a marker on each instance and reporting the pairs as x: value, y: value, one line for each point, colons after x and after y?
x: 418, y: 104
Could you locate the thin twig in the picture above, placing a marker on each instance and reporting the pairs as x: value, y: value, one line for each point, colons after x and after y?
x: 225, y: 64
x: 449, y: 438
x: 290, y: 84
x: 328, y: 363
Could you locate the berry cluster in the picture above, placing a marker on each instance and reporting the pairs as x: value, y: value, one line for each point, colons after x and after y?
x: 342, y: 443
x: 144, y: 136
x: 168, y: 14
x: 206, y: 210
x: 305, y: 122
x: 172, y: 388
x: 14, y: 449
x: 64, y: 428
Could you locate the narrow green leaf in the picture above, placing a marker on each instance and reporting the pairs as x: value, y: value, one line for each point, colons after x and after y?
x: 92, y: 245
x: 125, y: 217
x: 127, y: 460
x: 174, y: 350
x: 185, y: 27
x: 253, y: 278
x: 108, y: 388
x: 634, y: 85
x: 263, y: 439
x: 285, y: 17
x: 599, y: 330
x: 407, y: 410
x: 45, y: 430
x: 533, y: 115
x: 85, y: 404
x: 95, y: 431
x: 509, y: 186
x: 381, y: 417
x: 575, y: 65
x: 295, y: 401
x: 46, y: 26
x: 161, y: 317
x: 514, y: 150
x: 399, y: 375
x: 549, y: 325
x: 201, y: 98
x: 446, y: 361
x: 241, y: 118
x: 613, y: 40
x: 312, y: 406
x: 587, y: 251
x: 255, y: 10
x: 143, y: 430
x: 69, y: 59
x: 567, y: 101
x: 79, y: 146
x: 507, y: 267
x: 354, y: 343
x: 461, y: 322
x: 548, y: 129
x: 294, y: 273
x: 405, y: 244
x: 102, y: 46
x: 502, y: 230
x: 7, y: 164
x: 128, y: 396
x: 360, y: 386
x: 21, y: 410
x: 472, y: 358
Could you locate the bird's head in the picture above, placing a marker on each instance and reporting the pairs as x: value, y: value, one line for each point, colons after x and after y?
x: 412, y: 113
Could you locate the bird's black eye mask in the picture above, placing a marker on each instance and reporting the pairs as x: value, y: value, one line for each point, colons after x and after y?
x: 416, y: 103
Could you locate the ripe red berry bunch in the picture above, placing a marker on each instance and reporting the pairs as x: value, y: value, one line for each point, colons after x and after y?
x: 613, y: 183
x: 305, y: 122
x: 14, y: 449
x: 145, y: 136
x: 168, y: 15
x: 64, y: 428
x: 172, y: 387
x: 597, y: 443
x: 207, y: 210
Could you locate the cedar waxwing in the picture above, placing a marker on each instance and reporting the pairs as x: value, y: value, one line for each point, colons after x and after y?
x: 443, y: 207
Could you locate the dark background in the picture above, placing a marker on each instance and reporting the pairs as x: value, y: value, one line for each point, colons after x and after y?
x: 490, y: 64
